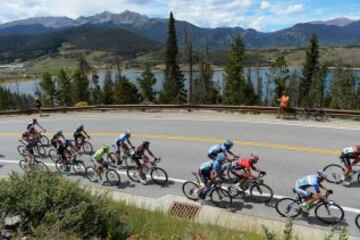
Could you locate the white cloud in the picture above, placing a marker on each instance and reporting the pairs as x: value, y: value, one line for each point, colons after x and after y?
x: 258, y: 23
x: 294, y: 9
x: 264, y: 5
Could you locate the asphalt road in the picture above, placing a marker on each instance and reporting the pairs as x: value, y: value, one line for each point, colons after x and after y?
x: 287, y: 151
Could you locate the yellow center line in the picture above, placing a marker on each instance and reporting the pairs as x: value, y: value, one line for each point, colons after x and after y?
x: 208, y: 140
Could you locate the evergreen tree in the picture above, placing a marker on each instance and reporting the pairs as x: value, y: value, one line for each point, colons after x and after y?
x: 318, y: 87
x: 84, y: 66
x: 95, y: 90
x: 108, y: 88
x: 64, y: 96
x: 48, y: 88
x: 281, y: 76
x: 293, y: 88
x: 125, y: 91
x: 311, y: 68
x: 234, y: 73
x: 146, y: 84
x: 343, y: 89
x: 250, y: 97
x: 80, y: 87
x: 173, y: 88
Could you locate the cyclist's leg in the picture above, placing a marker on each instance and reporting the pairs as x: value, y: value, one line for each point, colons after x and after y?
x: 347, y: 164
x: 139, y: 166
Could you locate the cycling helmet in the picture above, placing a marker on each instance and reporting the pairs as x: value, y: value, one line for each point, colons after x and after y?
x: 228, y: 144
x: 59, y: 132
x: 146, y: 143
x: 34, y: 120
x: 107, y: 148
x: 81, y: 127
x: 254, y: 158
x: 220, y: 157
x: 321, y: 174
x: 127, y: 132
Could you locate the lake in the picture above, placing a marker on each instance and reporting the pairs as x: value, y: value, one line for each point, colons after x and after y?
x: 30, y: 87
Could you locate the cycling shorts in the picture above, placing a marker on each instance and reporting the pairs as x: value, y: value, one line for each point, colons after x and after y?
x: 204, y: 175
x: 303, y: 192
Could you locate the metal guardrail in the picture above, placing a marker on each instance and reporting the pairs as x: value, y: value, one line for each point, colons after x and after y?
x: 147, y: 107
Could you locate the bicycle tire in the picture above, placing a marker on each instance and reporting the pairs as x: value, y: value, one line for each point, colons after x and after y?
x: 128, y: 161
x: 357, y: 221
x: 23, y: 165
x: 87, y: 148
x: 21, y: 150
x: 224, y: 201
x: 230, y: 176
x: 79, y: 167
x: 264, y: 198
x: 60, y: 167
x: 233, y: 191
x: 324, y: 220
x: 40, y: 150
x: 91, y: 174
x: 133, y: 173
x: 44, y: 140
x: 110, y: 173
x: 40, y: 166
x: 161, y: 178
x: 193, y: 187
x: 358, y: 178
x: 333, y: 173
x: 53, y: 155
x: 295, y: 206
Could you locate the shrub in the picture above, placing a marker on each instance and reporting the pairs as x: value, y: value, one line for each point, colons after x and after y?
x: 81, y: 104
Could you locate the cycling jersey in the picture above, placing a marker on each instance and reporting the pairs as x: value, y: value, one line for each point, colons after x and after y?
x: 98, y: 156
x: 209, y: 166
x: 302, y: 185
x: 350, y: 153
x: 79, y: 130
x: 245, y: 164
x: 122, y: 139
x: 26, y: 136
x: 215, y: 150
x: 140, y: 151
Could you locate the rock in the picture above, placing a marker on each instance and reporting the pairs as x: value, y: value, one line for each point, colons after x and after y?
x: 12, y: 220
x: 5, y: 233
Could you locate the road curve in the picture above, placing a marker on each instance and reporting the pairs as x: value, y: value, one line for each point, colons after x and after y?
x: 288, y: 151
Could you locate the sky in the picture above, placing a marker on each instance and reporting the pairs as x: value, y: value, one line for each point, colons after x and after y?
x: 262, y: 15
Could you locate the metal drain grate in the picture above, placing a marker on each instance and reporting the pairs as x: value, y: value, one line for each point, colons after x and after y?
x: 184, y: 210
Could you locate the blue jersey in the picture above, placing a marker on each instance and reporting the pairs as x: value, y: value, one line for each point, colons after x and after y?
x: 308, y: 181
x: 121, y: 139
x: 211, y: 166
x: 216, y: 149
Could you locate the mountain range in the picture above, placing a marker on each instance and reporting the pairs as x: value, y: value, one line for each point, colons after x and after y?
x: 335, y: 32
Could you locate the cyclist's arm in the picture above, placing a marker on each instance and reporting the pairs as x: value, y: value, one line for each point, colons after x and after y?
x: 86, y: 134
x: 231, y: 153
x: 129, y: 142
x: 213, y: 176
x: 149, y: 151
x: 323, y: 187
x: 41, y: 127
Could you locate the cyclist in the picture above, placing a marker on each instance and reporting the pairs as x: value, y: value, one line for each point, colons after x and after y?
x: 209, y: 172
x: 29, y: 157
x: 243, y: 167
x: 80, y: 134
x: 302, y: 188
x: 27, y: 137
x: 221, y: 148
x: 140, y: 154
x: 58, y: 138
x: 64, y: 154
x: 100, y: 162
x: 122, y: 142
x: 348, y: 154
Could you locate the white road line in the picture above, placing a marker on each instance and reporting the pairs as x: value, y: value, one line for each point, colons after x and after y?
x: 347, y: 209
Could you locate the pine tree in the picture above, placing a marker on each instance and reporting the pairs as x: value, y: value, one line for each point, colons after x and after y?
x: 48, y: 88
x: 250, y: 97
x: 282, y: 75
x: 318, y: 87
x: 311, y: 67
x: 64, y: 96
x: 146, y: 84
x: 234, y: 73
x: 125, y: 91
x: 343, y: 89
x: 80, y: 87
x: 108, y: 88
x: 173, y: 88
x: 95, y: 90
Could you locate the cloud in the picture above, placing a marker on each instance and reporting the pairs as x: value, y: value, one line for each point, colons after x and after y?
x: 258, y: 23
x: 264, y: 5
x: 294, y: 9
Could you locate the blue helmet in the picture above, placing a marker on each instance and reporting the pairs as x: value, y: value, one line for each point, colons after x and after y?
x: 321, y: 174
x: 220, y: 157
x: 228, y: 144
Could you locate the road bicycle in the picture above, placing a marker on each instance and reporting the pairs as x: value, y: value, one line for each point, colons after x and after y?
x: 70, y: 150
x: 327, y: 212
x: 39, y: 150
x: 218, y: 195
x: 35, y: 165
x: 115, y: 160
x: 78, y: 166
x: 258, y: 191
x: 335, y: 173
x: 157, y: 174
x: 83, y: 146
x: 93, y: 174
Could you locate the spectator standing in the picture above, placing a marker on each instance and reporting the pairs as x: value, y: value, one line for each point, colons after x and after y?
x: 284, y: 104
x: 38, y: 106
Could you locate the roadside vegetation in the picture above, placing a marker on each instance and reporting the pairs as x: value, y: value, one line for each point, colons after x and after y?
x: 306, y: 86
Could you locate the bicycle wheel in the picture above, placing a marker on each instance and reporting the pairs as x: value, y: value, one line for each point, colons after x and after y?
x: 133, y: 174
x: 112, y: 177
x: 40, y: 150
x: 329, y: 214
x: 159, y: 176
x: 357, y: 221
x: 334, y: 173
x: 23, y: 165
x: 61, y: 167
x: 128, y: 161
x: 87, y: 148
x: 91, y: 174
x: 53, y: 155
x: 190, y: 190
x: 79, y: 167
x: 44, y: 140
x: 21, y: 149
x: 221, y: 198
x: 40, y: 166
x: 261, y: 193
x: 112, y: 159
x: 230, y: 176
x: 234, y: 190
x: 288, y: 207
x: 359, y: 178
